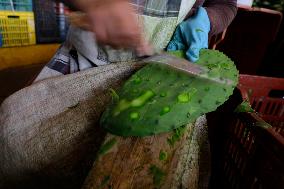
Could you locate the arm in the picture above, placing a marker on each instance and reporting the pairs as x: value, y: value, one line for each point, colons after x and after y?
x: 221, y: 13
x: 113, y: 22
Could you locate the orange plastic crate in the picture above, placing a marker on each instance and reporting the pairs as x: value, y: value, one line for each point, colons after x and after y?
x: 266, y: 96
x: 248, y: 148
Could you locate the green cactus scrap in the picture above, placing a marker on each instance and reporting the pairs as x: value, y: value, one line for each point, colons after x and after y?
x: 158, y: 175
x: 114, y: 95
x: 263, y: 125
x: 107, y: 146
x: 199, y: 30
x: 177, y: 135
x: 180, y: 54
x: 244, y: 107
x: 166, y: 99
x: 105, y: 181
x: 163, y: 156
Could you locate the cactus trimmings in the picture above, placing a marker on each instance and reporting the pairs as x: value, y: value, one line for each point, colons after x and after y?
x: 244, y: 107
x: 107, y: 146
x: 158, y: 99
x: 163, y: 156
x: 158, y: 175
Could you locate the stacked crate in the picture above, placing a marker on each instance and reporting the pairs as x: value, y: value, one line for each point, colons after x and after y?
x: 6, y: 5
x: 51, y: 23
x: 23, y: 5
x: 61, y: 18
x: 25, y: 22
x: 47, y: 30
x: 17, y: 26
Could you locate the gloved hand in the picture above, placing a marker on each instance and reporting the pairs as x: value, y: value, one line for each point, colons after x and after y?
x: 192, y: 35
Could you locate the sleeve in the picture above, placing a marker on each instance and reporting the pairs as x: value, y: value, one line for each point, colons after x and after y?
x: 221, y: 13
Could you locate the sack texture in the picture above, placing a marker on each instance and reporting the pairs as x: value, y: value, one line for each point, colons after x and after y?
x: 49, y: 132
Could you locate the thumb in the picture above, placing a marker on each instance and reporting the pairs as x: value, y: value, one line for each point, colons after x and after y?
x: 144, y: 48
x: 192, y: 54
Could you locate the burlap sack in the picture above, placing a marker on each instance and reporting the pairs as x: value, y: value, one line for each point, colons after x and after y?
x: 49, y: 132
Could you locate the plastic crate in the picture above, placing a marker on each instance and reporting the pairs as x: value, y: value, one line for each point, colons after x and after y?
x: 266, y: 96
x: 246, y: 151
x: 253, y: 154
x: 23, y: 5
x: 16, y: 5
x: 63, y: 26
x: 1, y: 39
x: 6, y: 5
x: 47, y: 29
x: 62, y: 20
x: 17, y: 28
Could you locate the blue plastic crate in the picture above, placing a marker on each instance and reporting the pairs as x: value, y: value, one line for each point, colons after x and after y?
x: 5, y: 5
x: 17, y: 5
x: 23, y: 5
x: 63, y: 26
x: 47, y: 28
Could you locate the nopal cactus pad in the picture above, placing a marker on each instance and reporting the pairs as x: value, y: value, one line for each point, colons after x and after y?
x: 159, y: 99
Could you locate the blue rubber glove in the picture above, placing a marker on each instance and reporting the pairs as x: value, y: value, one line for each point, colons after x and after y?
x: 192, y: 35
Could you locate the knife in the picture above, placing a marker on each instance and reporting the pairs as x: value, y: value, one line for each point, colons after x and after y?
x: 183, y: 65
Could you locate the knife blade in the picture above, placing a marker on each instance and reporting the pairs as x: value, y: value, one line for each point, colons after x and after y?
x: 183, y: 65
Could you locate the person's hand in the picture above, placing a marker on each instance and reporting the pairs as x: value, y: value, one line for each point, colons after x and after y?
x: 192, y: 35
x: 114, y: 23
